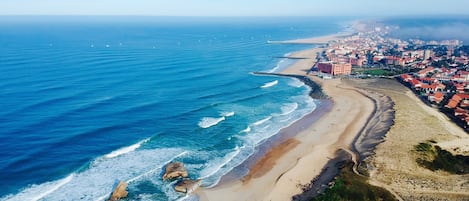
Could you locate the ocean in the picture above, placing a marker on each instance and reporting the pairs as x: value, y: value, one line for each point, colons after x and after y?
x: 87, y: 101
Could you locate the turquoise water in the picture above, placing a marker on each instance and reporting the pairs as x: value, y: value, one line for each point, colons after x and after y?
x: 88, y: 100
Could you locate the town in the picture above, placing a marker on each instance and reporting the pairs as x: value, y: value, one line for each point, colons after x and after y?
x: 436, y: 71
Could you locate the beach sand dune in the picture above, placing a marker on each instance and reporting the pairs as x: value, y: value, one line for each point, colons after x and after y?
x: 394, y: 163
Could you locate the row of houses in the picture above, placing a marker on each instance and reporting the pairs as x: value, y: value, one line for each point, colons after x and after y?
x: 445, y: 88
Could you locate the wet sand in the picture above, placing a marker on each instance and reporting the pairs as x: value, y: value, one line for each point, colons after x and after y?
x: 267, y: 162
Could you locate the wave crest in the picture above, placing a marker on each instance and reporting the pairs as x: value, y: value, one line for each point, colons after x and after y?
x: 269, y: 84
x: 289, y: 108
x: 228, y: 114
x: 257, y: 123
x: 296, y: 83
x: 97, y: 180
x: 125, y: 150
x: 247, y: 130
x: 208, y: 122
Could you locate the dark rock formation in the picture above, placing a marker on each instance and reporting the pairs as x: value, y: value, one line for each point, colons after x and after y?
x: 119, y: 192
x: 187, y: 186
x: 175, y: 170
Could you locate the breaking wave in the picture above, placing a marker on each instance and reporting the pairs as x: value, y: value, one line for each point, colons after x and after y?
x: 97, y: 180
x: 125, y: 150
x: 208, y: 122
x: 269, y: 84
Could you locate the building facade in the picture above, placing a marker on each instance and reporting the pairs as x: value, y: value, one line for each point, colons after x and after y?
x: 335, y: 68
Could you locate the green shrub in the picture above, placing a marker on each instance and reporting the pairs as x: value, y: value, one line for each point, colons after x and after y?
x: 348, y: 186
x: 435, y: 158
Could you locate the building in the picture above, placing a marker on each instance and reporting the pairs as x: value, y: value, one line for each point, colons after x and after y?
x: 427, y: 54
x: 335, y: 68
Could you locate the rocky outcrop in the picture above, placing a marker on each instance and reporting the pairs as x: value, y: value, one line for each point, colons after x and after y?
x: 175, y: 170
x: 119, y: 192
x: 187, y: 185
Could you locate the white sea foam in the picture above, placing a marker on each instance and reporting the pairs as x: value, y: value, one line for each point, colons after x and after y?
x: 208, y: 122
x: 281, y: 64
x: 270, y: 126
x: 125, y: 150
x: 223, y: 165
x: 257, y: 123
x: 273, y: 70
x: 227, y: 114
x: 189, y: 197
x: 288, y: 108
x: 54, y: 187
x: 296, y: 83
x: 277, y: 67
x: 269, y: 84
x: 247, y: 130
x: 156, y: 169
x: 97, y: 181
x: 219, y: 164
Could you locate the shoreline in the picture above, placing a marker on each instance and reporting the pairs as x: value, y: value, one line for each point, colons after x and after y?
x: 296, y: 161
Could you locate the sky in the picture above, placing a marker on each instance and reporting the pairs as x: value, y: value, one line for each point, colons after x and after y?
x: 235, y: 7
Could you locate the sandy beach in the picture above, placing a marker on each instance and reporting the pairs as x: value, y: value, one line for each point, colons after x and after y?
x: 280, y: 174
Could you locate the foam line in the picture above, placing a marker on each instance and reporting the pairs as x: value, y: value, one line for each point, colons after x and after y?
x: 269, y: 84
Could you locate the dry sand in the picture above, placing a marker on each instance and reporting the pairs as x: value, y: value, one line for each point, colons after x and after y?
x: 302, y: 66
x: 395, y: 165
x: 282, y: 171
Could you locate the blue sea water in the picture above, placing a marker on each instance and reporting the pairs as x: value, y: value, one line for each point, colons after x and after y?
x: 88, y: 100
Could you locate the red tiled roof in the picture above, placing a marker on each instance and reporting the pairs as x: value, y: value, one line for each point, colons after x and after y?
x: 438, y: 95
x: 462, y: 96
x: 426, y: 70
x: 405, y: 76
x: 432, y: 86
x: 452, y: 104
x: 415, y: 82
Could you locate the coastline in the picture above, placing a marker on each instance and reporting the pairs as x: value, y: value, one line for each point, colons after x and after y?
x: 282, y: 171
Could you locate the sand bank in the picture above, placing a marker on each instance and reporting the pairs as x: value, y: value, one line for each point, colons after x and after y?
x: 281, y: 172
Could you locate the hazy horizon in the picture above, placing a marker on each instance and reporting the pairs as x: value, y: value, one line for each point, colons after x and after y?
x: 226, y: 8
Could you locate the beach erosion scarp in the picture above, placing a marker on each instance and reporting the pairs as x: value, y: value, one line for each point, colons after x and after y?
x: 304, y: 156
